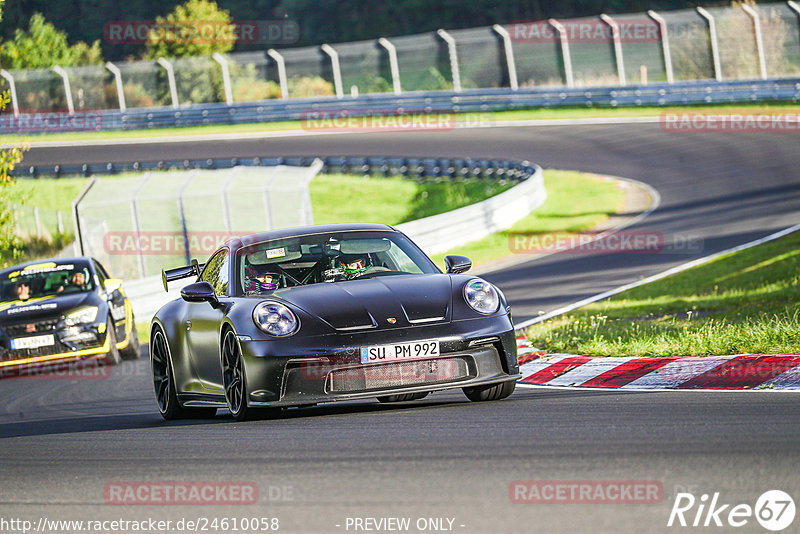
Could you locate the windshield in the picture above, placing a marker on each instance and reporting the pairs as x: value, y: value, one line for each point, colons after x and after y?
x: 327, y: 258
x: 45, y: 279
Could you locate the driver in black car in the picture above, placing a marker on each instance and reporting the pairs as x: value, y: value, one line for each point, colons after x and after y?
x: 260, y: 280
x: 77, y: 280
x: 354, y: 265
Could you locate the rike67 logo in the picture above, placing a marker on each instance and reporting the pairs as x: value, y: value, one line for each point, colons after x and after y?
x: 774, y: 510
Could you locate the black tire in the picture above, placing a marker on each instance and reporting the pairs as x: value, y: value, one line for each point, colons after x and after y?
x: 234, y: 380
x: 492, y: 392
x: 112, y: 357
x: 131, y: 352
x: 405, y: 397
x: 164, y: 383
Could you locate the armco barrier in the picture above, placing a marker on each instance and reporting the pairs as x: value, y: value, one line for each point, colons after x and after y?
x: 467, y: 101
x: 434, y: 234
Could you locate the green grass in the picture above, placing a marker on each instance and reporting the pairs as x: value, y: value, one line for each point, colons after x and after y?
x: 575, y: 202
x: 529, y: 114
x: 747, y: 302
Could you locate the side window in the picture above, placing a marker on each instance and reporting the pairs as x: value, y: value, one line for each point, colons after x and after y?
x: 101, y: 273
x: 216, y: 273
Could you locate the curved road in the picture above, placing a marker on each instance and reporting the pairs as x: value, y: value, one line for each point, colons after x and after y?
x: 63, y: 441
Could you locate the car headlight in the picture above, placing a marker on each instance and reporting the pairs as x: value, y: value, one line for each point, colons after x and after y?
x: 481, y: 296
x: 275, y: 319
x: 81, y: 316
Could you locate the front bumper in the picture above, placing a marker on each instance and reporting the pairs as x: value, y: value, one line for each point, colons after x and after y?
x: 298, y: 371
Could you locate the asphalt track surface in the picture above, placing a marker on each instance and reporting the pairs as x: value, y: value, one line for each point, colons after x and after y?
x: 62, y: 441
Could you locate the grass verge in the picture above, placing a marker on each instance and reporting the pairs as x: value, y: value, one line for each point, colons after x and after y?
x: 468, y: 118
x: 575, y: 202
x: 746, y: 302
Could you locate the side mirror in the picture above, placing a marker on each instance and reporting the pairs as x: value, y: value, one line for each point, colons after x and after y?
x: 199, y: 292
x: 457, y: 264
x: 112, y: 284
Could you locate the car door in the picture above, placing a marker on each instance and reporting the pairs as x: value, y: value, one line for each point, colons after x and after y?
x: 115, y: 298
x: 203, y: 322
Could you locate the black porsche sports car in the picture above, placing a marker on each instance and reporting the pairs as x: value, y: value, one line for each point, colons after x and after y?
x: 62, y: 310
x: 327, y: 313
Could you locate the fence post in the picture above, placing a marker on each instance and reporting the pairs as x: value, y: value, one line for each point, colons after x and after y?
x: 617, y: 47
x: 226, y: 206
x: 37, y: 220
x: 393, y: 65
x: 509, y: 51
x: 65, y: 77
x: 60, y: 220
x: 662, y: 28
x: 173, y: 88
x: 76, y: 219
x: 118, y: 79
x: 453, y: 52
x: 187, y: 254
x: 712, y: 32
x: 137, y: 227
x: 226, y: 76
x: 12, y: 88
x: 337, y: 72
x: 762, y: 62
x: 564, y: 40
x: 278, y: 58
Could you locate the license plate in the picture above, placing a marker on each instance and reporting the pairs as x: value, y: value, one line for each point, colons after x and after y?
x: 33, y: 342
x: 399, y: 351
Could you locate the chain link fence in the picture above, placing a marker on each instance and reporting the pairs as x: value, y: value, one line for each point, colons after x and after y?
x: 738, y: 42
x: 137, y: 224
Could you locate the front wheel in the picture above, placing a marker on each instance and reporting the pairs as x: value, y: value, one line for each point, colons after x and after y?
x: 233, y: 378
x: 491, y: 392
x: 112, y: 357
x: 131, y: 352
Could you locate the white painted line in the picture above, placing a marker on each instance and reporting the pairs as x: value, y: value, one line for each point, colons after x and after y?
x: 675, y: 373
x: 674, y: 270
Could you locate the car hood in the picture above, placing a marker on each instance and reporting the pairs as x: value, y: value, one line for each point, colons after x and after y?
x: 381, y: 301
x: 11, y: 312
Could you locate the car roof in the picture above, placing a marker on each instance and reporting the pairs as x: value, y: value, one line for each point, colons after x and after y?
x: 237, y: 242
x: 45, y: 260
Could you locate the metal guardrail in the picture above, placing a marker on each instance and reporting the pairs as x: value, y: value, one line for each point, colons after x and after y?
x: 313, y: 112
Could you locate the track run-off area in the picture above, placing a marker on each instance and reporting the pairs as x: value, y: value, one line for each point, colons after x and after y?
x: 63, y: 442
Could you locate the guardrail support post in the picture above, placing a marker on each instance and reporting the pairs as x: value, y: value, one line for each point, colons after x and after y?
x: 564, y: 40
x: 712, y: 32
x: 337, y: 71
x: 226, y: 76
x: 453, y: 52
x: 12, y: 88
x: 173, y: 88
x: 65, y: 77
x: 137, y: 227
x: 118, y: 80
x: 394, y: 67
x: 76, y: 218
x: 279, y: 61
x: 509, y: 51
x: 762, y: 62
x: 617, y: 47
x: 662, y: 28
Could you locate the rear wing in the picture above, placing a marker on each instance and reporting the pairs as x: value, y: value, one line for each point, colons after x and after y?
x: 171, y: 275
